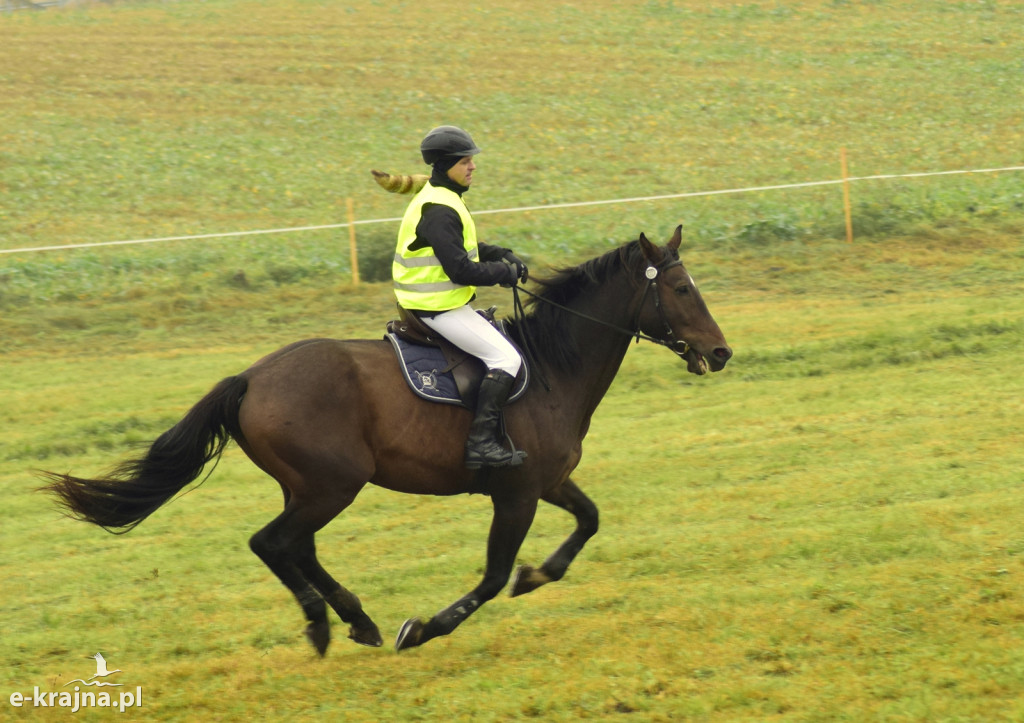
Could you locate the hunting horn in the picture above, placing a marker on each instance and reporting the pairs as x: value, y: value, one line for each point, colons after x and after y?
x: 400, y: 182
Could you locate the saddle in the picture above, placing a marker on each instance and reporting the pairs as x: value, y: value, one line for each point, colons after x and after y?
x: 437, y: 370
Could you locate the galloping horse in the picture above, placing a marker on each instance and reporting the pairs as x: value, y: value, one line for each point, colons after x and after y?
x: 324, y: 417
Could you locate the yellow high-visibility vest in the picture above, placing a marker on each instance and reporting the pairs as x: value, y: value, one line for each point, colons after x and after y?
x: 420, y: 282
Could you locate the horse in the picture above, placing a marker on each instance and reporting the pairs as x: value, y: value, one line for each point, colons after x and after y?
x: 324, y: 417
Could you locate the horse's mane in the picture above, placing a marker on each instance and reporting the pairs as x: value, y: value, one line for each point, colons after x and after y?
x: 545, y: 326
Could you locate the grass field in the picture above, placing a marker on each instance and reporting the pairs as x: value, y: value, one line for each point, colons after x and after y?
x: 828, y: 530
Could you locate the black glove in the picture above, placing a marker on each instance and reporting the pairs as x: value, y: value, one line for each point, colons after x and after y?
x: 513, y: 276
x: 522, y: 273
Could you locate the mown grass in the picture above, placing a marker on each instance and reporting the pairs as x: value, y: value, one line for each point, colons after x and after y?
x: 828, y: 530
x: 143, y: 120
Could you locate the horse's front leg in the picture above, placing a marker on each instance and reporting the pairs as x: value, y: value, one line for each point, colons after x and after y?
x: 513, y: 515
x: 571, y: 498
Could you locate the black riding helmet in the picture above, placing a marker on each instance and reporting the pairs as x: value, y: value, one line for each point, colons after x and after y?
x: 446, y: 141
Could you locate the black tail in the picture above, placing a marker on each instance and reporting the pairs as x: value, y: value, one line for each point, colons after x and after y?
x: 136, y: 488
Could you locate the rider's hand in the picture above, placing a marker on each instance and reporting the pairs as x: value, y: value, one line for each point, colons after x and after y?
x: 513, y: 276
x: 522, y: 273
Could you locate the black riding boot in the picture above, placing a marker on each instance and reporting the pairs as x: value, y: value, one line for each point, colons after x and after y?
x: 483, y: 448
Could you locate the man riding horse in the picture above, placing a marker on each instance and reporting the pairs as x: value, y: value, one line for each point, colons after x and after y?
x: 437, y: 266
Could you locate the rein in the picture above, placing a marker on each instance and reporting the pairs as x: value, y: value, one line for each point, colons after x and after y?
x: 679, y: 346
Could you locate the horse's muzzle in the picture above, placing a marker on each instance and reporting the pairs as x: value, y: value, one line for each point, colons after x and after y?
x: 719, y: 356
x: 697, y: 363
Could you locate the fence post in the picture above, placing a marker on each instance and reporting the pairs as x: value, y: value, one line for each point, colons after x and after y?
x: 846, y: 195
x: 353, y: 253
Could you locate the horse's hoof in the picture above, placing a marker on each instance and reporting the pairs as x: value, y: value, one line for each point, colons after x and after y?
x: 527, y: 579
x: 517, y: 587
x: 320, y: 635
x: 366, y: 636
x: 409, y: 634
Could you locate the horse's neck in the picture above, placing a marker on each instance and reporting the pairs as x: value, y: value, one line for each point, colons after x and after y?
x: 602, y: 344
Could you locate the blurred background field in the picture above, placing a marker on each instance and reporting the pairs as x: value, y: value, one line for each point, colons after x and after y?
x: 143, y: 120
x: 151, y: 120
x: 828, y: 530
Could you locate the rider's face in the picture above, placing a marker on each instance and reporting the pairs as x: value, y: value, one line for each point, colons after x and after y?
x: 462, y: 172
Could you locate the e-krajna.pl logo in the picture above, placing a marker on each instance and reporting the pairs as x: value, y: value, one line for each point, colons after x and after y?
x: 78, y: 699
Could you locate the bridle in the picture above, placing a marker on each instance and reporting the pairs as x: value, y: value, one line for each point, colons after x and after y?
x: 651, y: 273
x: 679, y: 346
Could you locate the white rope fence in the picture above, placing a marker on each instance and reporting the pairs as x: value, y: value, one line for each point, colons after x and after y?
x: 518, y: 209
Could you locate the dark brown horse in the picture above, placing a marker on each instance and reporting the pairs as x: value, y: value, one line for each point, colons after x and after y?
x: 324, y: 417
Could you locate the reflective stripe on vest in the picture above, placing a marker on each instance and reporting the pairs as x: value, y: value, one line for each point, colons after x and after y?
x: 419, y: 280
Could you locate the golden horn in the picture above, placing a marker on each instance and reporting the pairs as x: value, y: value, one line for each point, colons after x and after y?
x: 399, y: 182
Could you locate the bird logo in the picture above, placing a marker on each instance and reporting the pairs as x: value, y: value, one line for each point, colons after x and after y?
x: 101, y: 672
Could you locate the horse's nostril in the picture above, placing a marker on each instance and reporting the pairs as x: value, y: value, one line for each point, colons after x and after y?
x: 723, y: 352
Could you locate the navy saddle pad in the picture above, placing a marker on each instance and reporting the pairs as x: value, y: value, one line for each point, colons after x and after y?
x: 432, y: 376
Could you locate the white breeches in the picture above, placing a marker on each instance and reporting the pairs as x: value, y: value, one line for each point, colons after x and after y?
x: 469, y: 331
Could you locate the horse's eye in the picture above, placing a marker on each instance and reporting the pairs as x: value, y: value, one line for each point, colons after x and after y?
x: 684, y: 289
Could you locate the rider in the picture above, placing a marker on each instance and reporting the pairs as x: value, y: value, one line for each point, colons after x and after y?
x: 438, y: 265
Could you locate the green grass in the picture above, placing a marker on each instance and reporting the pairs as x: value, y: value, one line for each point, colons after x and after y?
x: 828, y: 530
x: 147, y: 120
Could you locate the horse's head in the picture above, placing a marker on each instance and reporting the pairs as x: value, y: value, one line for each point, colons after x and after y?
x: 673, y: 312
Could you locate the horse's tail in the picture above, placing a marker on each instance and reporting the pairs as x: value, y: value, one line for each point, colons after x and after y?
x: 137, y: 487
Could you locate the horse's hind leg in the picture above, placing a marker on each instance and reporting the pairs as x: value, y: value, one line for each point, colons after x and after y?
x: 286, y: 547
x: 361, y: 628
x: 276, y: 544
x: 571, y: 498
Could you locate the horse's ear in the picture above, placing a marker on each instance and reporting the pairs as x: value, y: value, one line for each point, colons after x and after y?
x: 649, y: 249
x: 677, y: 237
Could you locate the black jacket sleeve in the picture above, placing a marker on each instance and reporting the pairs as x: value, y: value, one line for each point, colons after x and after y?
x: 441, y: 228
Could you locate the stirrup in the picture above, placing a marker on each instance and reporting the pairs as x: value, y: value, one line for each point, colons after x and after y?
x: 518, y: 455
x: 514, y: 459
